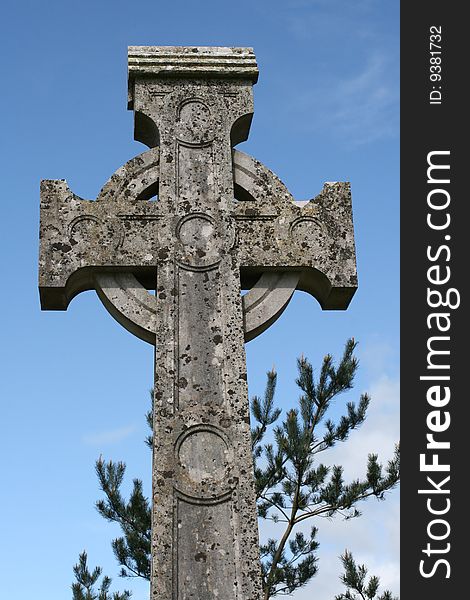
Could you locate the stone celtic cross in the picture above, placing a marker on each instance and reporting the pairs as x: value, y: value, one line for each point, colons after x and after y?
x: 197, y: 221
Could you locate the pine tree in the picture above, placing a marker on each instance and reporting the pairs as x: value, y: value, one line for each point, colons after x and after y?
x: 292, y: 485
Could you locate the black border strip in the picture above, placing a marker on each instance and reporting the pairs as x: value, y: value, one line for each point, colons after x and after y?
x: 427, y: 128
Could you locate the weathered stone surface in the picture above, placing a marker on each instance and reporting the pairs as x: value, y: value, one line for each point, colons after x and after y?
x: 196, y: 220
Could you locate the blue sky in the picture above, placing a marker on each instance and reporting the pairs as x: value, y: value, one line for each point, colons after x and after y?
x: 74, y: 385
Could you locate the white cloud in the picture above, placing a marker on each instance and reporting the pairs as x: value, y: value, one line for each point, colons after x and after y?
x: 358, y: 109
x: 377, y: 356
x: 378, y: 434
x: 112, y: 436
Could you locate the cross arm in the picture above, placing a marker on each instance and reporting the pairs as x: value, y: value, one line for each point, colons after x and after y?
x: 314, y: 238
x: 117, y: 231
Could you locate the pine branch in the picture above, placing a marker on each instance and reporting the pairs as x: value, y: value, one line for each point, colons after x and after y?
x: 263, y: 411
x: 354, y: 578
x: 132, y: 551
x: 84, y: 586
x: 149, y: 419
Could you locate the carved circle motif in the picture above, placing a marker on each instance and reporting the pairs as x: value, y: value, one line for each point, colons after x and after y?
x: 303, y: 229
x: 201, y: 242
x: 194, y: 126
x: 88, y: 231
x: 203, y: 454
x: 196, y: 232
